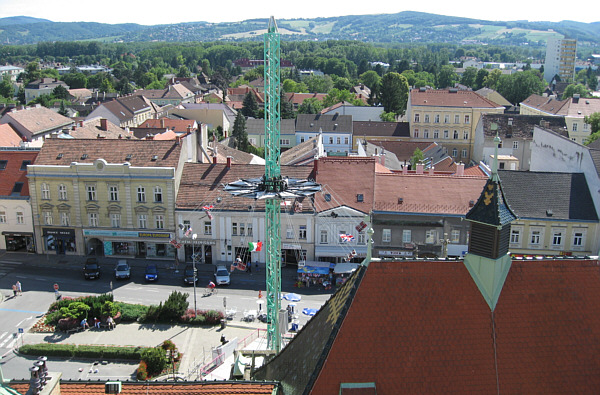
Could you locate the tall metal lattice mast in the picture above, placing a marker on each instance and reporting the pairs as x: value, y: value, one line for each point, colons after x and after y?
x: 272, y: 187
x: 272, y: 52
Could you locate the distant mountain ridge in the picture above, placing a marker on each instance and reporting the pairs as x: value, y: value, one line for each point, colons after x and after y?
x: 403, y: 27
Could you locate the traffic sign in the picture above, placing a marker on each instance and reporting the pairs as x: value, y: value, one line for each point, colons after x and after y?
x: 56, y: 287
x: 20, y: 330
x: 224, y: 301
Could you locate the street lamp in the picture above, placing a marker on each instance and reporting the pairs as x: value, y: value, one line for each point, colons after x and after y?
x: 195, y: 276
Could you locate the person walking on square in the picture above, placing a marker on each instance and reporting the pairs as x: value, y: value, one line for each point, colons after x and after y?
x: 14, y: 288
x: 19, y: 290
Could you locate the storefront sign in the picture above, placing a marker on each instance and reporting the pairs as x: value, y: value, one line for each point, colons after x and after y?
x: 155, y: 235
x: 395, y: 253
x: 197, y: 241
x: 126, y: 233
x: 58, y: 232
x: 21, y: 234
x: 291, y: 246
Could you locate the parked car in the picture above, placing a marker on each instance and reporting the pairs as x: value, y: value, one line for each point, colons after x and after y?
x: 189, y: 277
x: 122, y: 269
x: 221, y: 276
x: 151, y: 272
x: 91, y: 269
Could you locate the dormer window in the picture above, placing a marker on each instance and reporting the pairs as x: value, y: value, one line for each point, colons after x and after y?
x: 128, y: 157
x: 327, y: 197
x: 154, y: 158
x: 59, y: 156
x: 24, y: 165
x: 84, y: 156
x: 360, y: 197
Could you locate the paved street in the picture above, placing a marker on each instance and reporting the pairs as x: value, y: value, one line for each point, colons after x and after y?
x: 38, y: 274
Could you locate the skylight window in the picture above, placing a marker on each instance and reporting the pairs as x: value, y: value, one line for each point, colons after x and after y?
x: 24, y: 164
x: 3, y: 164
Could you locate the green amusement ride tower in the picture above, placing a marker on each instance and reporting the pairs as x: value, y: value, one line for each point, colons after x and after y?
x: 273, y: 187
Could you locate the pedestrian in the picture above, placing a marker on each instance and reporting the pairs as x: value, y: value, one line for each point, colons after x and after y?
x: 256, y: 266
x: 14, y: 287
x: 249, y: 267
x: 110, y: 322
x: 96, y: 322
x: 19, y: 291
x: 84, y: 324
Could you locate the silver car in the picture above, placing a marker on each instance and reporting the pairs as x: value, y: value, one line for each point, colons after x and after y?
x: 221, y: 276
x: 122, y: 269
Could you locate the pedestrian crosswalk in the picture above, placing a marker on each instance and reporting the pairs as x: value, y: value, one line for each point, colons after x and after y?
x: 7, y: 340
x: 7, y: 267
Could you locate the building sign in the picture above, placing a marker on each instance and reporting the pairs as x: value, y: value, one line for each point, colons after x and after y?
x: 291, y: 246
x: 126, y: 233
x: 395, y: 253
x: 58, y: 232
x: 197, y: 241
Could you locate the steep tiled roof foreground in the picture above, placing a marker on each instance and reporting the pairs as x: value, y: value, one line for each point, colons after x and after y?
x: 423, y: 327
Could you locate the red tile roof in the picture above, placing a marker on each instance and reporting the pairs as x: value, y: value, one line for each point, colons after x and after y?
x: 423, y: 327
x: 153, y: 388
x: 13, y: 173
x: 343, y: 179
x: 178, y: 125
x: 444, y: 98
x: 547, y: 104
x: 9, y: 137
x: 113, y: 151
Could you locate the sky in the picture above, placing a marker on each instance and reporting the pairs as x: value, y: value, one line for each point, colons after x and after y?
x: 154, y: 12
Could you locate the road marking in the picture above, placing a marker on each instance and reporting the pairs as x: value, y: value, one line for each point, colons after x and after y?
x: 23, y: 321
x: 3, y: 334
x: 11, y: 262
x: 23, y: 311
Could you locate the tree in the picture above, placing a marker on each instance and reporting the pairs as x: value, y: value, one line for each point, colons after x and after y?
x: 342, y: 84
x: 447, y: 77
x: 594, y: 121
x: 469, y: 77
x: 416, y: 157
x: 310, y: 106
x: 336, y: 96
x: 205, y: 64
x: 394, y: 93
x: 63, y: 109
x: 371, y: 79
x: 250, y: 105
x: 480, y: 78
x: 491, y: 80
x: 387, y: 117
x: 75, y: 80
x: 239, y: 133
x: 183, y: 72
x: 286, y: 108
x: 6, y: 88
x: 573, y: 89
x: 60, y: 92
x: 519, y: 86
x: 319, y: 84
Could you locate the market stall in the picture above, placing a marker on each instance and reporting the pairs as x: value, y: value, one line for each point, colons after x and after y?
x: 314, y: 273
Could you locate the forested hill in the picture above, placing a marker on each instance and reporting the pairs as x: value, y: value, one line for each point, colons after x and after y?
x: 403, y: 27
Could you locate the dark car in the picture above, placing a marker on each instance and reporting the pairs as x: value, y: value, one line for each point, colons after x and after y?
x: 189, y: 277
x: 151, y: 273
x: 91, y: 269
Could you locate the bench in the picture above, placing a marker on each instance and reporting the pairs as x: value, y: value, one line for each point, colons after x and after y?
x: 76, y: 329
x: 105, y: 326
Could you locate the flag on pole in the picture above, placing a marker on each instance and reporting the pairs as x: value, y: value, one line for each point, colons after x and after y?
x: 346, y: 238
x: 207, y: 211
x: 188, y: 232
x: 255, y: 246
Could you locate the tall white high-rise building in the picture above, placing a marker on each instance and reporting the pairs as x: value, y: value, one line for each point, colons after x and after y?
x: 560, y: 59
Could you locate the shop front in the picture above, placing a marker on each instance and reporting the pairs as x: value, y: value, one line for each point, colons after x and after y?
x: 130, y: 244
x: 292, y: 253
x: 337, y: 254
x: 314, y: 273
x: 19, y: 241
x: 200, y: 249
x: 59, y: 240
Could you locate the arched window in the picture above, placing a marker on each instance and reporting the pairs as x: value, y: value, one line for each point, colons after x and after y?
x: 45, y: 191
x: 62, y: 192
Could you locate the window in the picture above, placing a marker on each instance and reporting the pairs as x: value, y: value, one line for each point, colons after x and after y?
x: 187, y: 225
x: 302, y: 232
x: 115, y: 220
x: 159, y: 220
x: 386, y: 236
x: 327, y: 197
x: 62, y: 192
x: 430, y: 236
x: 417, y: 118
x: 289, y: 232
x: 249, y: 229
x: 416, y: 134
x: 17, y: 188
x: 48, y: 218
x: 158, y: 195
x: 20, y: 217
x: 426, y: 118
x: 141, y: 194
x: 515, y: 236
x: 324, y: 237
x: 446, y: 118
x: 113, y: 193
x: 407, y: 236
x: 557, y: 238
x: 2, y: 217
x: 3, y: 164
x: 361, y: 238
x: 446, y: 134
x: 436, y: 134
x: 234, y: 229
x: 207, y: 228
x: 577, y: 239
x: 93, y: 219
x: 338, y: 140
x: 331, y: 140
x: 64, y: 219
x: 91, y: 192
x: 455, y: 236
x: 284, y: 141
x: 535, y: 237
x: 455, y: 135
x: 454, y: 152
x: 242, y: 229
x: 426, y: 133
x: 463, y: 153
x: 436, y: 119
x: 457, y: 119
x: 142, y: 221
x: 24, y: 165
x: 346, y: 140
x: 360, y: 197
x: 467, y: 119
x: 45, y: 191
x: 515, y: 145
x: 252, y: 141
x: 465, y: 135
x: 574, y: 127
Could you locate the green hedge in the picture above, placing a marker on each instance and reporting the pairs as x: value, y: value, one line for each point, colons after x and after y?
x: 83, y: 351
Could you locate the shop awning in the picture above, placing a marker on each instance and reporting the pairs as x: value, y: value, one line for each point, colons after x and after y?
x: 313, y: 270
x: 339, y: 251
x: 345, y: 267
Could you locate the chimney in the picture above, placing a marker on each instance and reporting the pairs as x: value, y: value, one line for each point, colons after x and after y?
x: 316, y: 165
x: 420, y: 167
x: 104, y: 124
x: 81, y: 123
x: 189, y: 129
x: 431, y: 170
x: 229, y: 162
x: 460, y: 169
x: 162, y: 123
x: 405, y: 169
x: 214, y: 160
